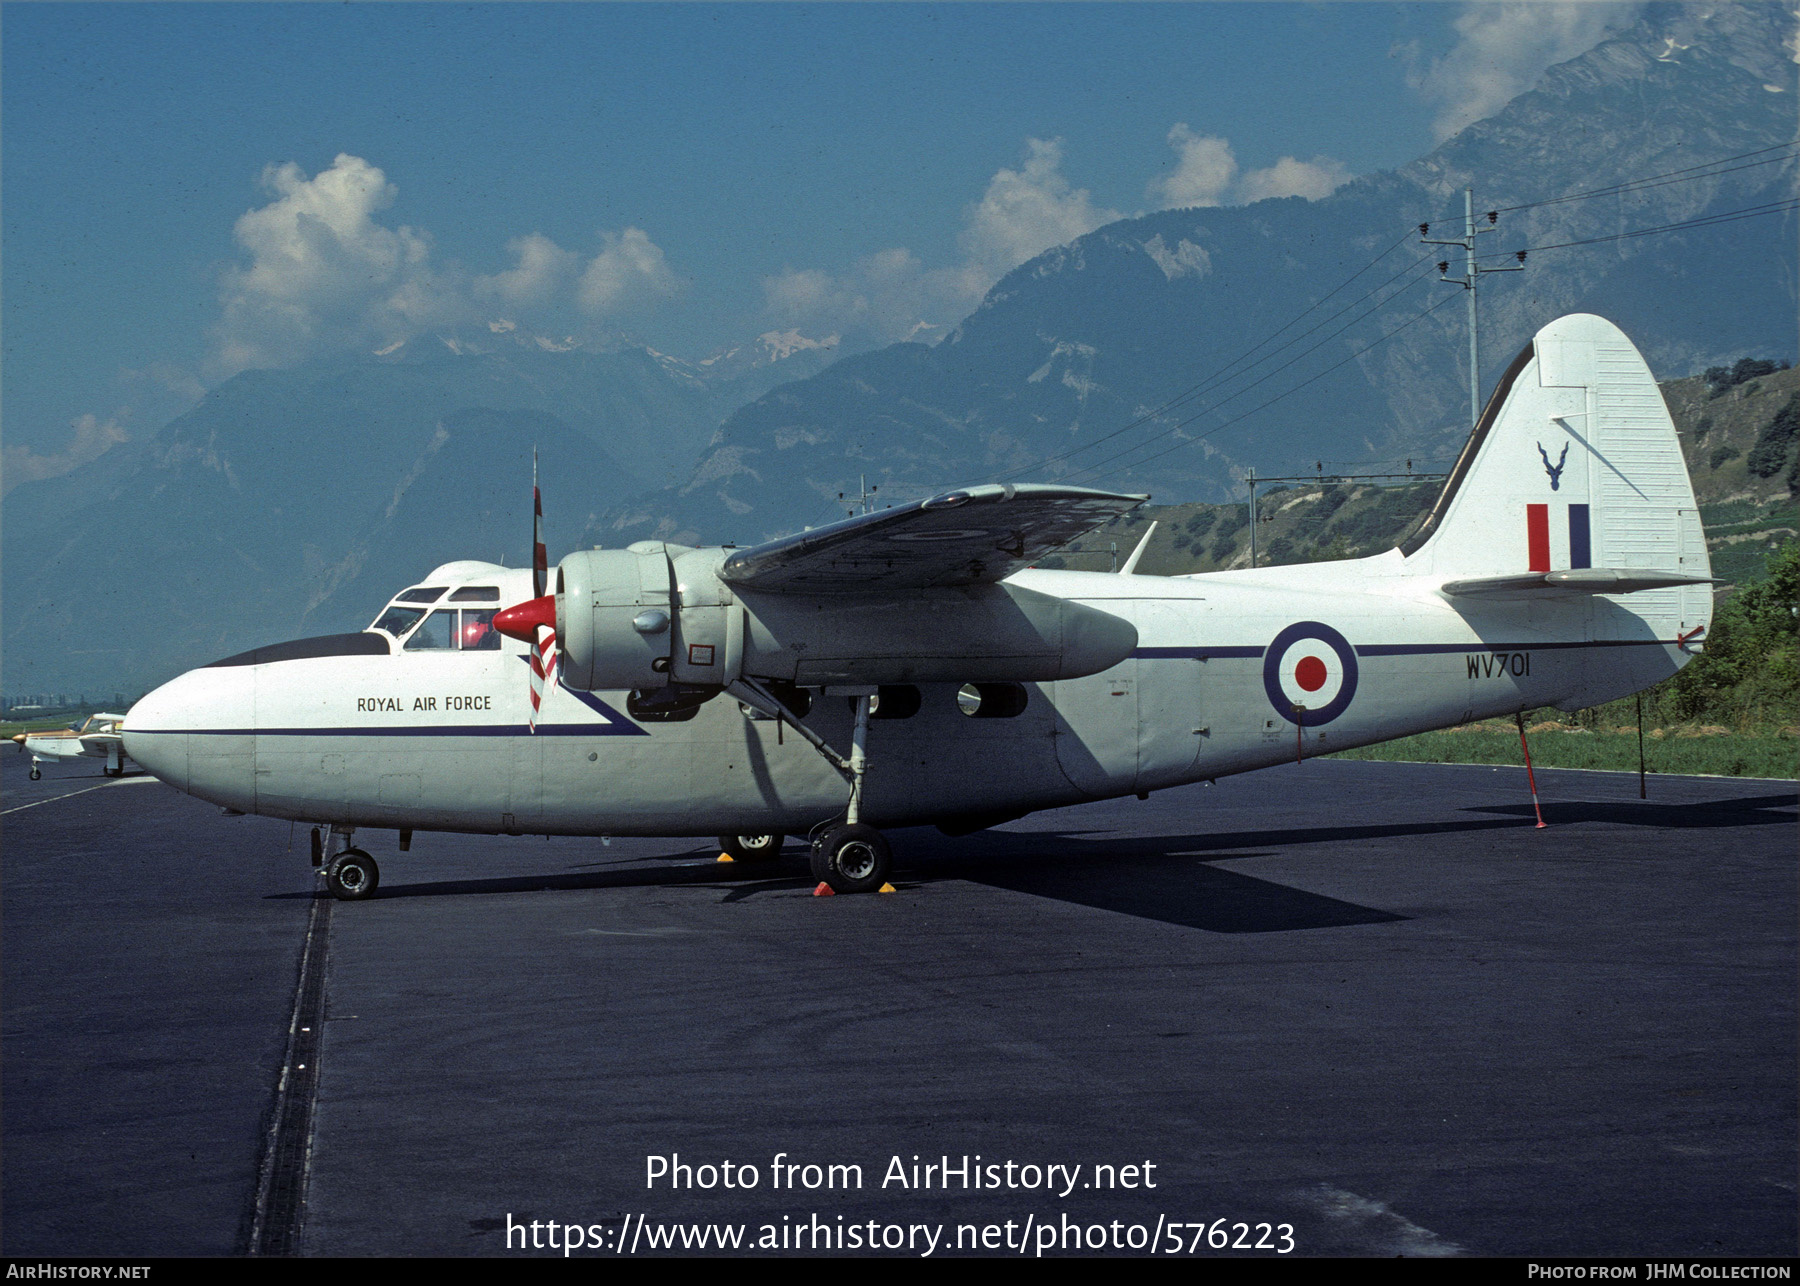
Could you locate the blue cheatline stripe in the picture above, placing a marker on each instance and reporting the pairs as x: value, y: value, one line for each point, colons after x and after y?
x: 1579, y: 555
x: 1395, y: 649
x: 616, y: 725
x: 1196, y: 653
x: 414, y: 730
x: 1429, y: 649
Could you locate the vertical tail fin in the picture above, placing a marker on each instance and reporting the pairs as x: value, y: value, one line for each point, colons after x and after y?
x: 1574, y: 468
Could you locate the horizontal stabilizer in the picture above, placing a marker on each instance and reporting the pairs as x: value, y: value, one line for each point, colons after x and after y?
x: 1585, y: 580
x: 967, y: 537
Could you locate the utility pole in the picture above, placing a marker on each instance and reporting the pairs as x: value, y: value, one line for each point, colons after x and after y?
x: 1471, y: 275
x: 1252, y: 481
x: 867, y: 497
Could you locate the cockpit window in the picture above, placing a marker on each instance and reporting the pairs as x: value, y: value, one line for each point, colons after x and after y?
x: 421, y: 594
x: 476, y: 594
x: 478, y: 632
x: 398, y: 620
x: 437, y: 633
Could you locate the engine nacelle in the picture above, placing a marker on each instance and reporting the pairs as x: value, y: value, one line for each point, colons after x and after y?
x: 615, y: 618
x: 653, y: 615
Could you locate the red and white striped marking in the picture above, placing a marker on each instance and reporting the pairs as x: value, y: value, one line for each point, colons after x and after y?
x: 543, y: 669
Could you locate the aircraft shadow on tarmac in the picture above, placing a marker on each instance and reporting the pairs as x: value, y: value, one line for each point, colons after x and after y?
x: 1174, y: 879
x: 1753, y: 810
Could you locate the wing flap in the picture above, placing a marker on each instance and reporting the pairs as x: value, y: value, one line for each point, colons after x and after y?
x: 966, y: 537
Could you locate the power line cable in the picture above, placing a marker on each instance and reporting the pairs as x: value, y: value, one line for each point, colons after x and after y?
x: 1784, y: 205
x: 1418, y: 317
x: 1092, y: 469
x: 1657, y: 180
x: 1225, y: 373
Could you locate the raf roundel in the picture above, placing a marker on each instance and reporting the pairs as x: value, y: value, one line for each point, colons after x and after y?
x: 1309, y: 673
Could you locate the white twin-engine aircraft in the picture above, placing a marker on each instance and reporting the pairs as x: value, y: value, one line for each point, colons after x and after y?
x: 909, y: 666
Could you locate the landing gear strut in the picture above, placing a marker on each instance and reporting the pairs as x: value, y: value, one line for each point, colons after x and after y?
x: 848, y: 856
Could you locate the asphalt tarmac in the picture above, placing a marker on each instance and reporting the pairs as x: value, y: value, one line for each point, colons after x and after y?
x: 1370, y: 1002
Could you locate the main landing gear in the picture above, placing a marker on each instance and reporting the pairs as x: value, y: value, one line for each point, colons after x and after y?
x: 352, y: 875
x: 751, y: 848
x: 848, y: 855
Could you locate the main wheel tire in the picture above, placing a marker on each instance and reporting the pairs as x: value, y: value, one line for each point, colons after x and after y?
x: 352, y: 876
x: 852, y: 859
x: 752, y: 848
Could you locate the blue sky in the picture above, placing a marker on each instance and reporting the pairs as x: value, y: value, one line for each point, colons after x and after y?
x: 193, y: 189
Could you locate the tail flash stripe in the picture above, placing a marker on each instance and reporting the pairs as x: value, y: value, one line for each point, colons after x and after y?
x: 1537, y: 536
x: 1580, y: 547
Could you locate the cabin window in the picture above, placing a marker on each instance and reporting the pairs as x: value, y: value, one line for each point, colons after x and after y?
x: 476, y: 594
x: 420, y: 594
x: 438, y: 633
x: 398, y: 620
x: 478, y: 633
x: 990, y: 700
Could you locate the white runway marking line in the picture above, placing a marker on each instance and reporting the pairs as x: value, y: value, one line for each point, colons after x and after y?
x: 126, y: 781
x: 1392, y: 1233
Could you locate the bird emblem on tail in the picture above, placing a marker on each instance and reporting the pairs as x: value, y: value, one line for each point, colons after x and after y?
x: 1554, y: 470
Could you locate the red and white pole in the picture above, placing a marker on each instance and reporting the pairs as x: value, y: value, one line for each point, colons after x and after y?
x: 1529, y: 775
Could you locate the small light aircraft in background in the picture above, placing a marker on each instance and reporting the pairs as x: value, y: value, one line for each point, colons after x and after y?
x: 910, y: 667
x: 99, y: 737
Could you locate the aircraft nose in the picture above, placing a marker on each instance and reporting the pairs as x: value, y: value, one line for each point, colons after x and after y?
x: 156, y: 734
x: 197, y: 732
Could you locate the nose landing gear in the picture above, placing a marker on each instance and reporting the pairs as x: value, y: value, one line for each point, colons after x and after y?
x: 352, y: 875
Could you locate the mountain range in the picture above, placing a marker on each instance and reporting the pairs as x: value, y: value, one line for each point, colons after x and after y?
x: 1092, y: 337
x: 295, y: 501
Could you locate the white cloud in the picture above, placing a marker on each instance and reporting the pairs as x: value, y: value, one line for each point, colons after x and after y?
x: 1204, y: 170
x: 631, y: 270
x: 323, y: 271
x: 881, y: 298
x: 1206, y: 174
x: 891, y: 295
x: 1502, y: 49
x: 542, y: 271
x: 90, y: 437
x: 326, y: 273
x: 1026, y: 211
x: 1313, y: 179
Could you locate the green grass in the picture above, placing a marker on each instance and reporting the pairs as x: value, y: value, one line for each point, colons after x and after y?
x: 10, y: 728
x: 1712, y: 754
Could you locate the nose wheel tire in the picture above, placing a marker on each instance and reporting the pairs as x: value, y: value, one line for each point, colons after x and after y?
x: 352, y: 876
x: 36, y: 772
x: 853, y: 858
x: 752, y: 848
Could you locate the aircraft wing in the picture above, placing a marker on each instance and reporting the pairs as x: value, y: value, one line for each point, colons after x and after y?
x: 1585, y: 580
x: 98, y: 743
x: 964, y: 537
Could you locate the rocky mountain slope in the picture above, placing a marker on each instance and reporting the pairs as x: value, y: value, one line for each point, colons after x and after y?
x: 1089, y: 338
x: 1724, y: 426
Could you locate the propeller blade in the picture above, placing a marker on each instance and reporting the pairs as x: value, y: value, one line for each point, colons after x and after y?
x: 535, y: 622
x: 540, y: 560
